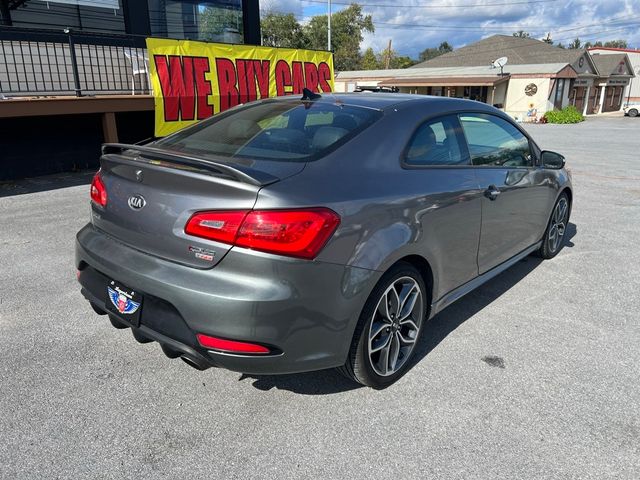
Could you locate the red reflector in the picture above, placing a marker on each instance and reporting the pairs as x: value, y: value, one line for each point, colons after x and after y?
x: 98, y: 190
x: 229, y: 345
x: 295, y: 233
x: 219, y: 226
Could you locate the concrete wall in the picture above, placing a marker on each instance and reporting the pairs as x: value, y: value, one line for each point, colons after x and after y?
x: 518, y: 103
x: 499, y: 94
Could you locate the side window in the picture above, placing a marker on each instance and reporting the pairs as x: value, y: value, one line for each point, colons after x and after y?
x: 436, y: 143
x: 494, y: 141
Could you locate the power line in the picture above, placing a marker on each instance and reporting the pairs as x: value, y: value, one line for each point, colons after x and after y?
x: 476, y: 5
x: 504, y: 28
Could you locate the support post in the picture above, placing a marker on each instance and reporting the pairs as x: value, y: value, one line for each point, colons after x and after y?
x: 74, y: 63
x: 586, y: 101
x: 109, y: 127
x: 329, y: 25
x: 602, y: 93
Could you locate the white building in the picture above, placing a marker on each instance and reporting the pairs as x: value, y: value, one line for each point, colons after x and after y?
x: 538, y: 77
x: 632, y: 95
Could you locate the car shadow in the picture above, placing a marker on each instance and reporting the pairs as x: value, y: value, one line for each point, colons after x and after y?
x: 327, y: 382
x: 45, y: 183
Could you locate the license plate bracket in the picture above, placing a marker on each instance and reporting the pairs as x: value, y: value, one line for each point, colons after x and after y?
x: 124, y: 302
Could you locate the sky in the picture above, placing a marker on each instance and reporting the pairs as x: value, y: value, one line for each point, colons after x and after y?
x: 414, y: 25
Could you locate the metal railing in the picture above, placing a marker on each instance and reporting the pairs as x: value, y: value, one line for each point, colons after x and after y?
x: 68, y: 63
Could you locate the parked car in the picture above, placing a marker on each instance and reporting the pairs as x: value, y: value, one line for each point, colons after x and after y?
x: 292, y: 235
x: 631, y: 110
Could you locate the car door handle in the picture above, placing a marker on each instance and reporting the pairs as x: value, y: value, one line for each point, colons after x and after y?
x: 492, y: 192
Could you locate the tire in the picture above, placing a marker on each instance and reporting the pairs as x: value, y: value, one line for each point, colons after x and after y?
x: 552, y: 242
x: 394, y: 332
x: 633, y: 112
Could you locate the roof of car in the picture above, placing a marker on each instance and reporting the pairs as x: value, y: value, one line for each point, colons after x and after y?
x: 381, y: 100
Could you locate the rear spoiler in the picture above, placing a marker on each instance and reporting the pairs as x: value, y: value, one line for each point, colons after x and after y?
x: 236, y: 172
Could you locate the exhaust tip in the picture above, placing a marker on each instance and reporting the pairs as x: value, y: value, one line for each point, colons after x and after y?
x: 194, y: 362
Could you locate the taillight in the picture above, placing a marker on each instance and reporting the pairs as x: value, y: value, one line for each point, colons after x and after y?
x: 218, y: 226
x: 298, y: 233
x: 98, y: 190
x: 229, y: 345
x: 295, y: 233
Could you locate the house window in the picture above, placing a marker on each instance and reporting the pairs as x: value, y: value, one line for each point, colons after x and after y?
x: 103, y: 16
x: 213, y: 20
x: 559, y: 93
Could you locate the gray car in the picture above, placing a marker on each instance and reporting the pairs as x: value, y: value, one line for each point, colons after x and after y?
x: 290, y: 235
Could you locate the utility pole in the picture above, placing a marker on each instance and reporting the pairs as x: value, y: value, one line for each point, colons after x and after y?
x: 388, y: 55
x: 329, y: 26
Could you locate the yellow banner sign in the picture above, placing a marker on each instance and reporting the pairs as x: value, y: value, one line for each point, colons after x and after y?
x: 194, y: 80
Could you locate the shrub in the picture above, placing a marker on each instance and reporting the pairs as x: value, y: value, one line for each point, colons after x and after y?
x: 567, y: 115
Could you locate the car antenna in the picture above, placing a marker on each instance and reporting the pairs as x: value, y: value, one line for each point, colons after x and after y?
x: 309, y: 95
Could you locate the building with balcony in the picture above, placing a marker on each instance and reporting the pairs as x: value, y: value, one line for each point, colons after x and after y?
x: 74, y: 73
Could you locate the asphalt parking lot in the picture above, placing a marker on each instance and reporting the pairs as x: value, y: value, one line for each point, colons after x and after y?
x: 534, y: 375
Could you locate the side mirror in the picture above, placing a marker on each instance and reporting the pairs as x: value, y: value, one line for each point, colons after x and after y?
x: 552, y: 160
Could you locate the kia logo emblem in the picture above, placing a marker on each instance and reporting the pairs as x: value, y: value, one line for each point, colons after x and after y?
x: 136, y: 202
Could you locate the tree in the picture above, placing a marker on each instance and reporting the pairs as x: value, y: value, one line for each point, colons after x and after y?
x: 609, y: 44
x: 369, y: 60
x: 429, y: 53
x: 616, y: 44
x: 521, y: 34
x: 576, y: 44
x: 395, y: 61
x: 347, y: 28
x: 282, y: 30
x: 402, y: 62
x: 213, y: 21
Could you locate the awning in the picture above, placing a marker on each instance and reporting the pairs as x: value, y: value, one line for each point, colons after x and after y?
x: 443, y: 81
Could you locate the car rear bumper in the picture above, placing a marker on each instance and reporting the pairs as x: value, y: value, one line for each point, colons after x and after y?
x: 304, y: 311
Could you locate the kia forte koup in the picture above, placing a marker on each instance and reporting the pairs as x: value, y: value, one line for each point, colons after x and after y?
x: 289, y: 235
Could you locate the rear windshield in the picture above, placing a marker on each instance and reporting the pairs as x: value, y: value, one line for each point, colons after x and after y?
x: 277, y: 130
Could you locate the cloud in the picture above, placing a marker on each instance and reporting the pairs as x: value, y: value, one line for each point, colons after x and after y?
x: 282, y: 6
x: 413, y: 29
x: 586, y: 19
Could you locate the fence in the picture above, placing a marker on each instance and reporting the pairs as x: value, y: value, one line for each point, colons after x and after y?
x: 64, y: 63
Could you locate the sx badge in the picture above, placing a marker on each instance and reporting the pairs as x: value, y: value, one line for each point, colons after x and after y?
x: 122, y: 301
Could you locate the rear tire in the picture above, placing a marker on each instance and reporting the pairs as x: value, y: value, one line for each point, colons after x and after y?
x: 388, y: 328
x: 555, y: 234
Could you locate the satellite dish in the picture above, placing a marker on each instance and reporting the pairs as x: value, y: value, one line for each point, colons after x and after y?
x: 500, y: 63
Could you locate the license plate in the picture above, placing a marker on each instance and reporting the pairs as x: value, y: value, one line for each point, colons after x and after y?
x: 125, y: 302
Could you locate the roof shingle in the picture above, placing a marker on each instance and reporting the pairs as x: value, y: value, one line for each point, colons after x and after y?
x: 519, y: 50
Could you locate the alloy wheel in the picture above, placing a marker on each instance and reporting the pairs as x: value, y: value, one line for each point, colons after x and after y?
x: 395, y: 326
x: 558, y: 224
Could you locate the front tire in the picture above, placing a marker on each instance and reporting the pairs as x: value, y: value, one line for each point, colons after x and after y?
x: 388, y: 328
x: 633, y: 112
x: 554, y: 235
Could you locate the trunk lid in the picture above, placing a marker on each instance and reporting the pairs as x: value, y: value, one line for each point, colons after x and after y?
x: 152, y: 194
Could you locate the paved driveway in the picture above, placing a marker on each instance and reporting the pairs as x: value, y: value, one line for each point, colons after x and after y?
x: 535, y: 375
